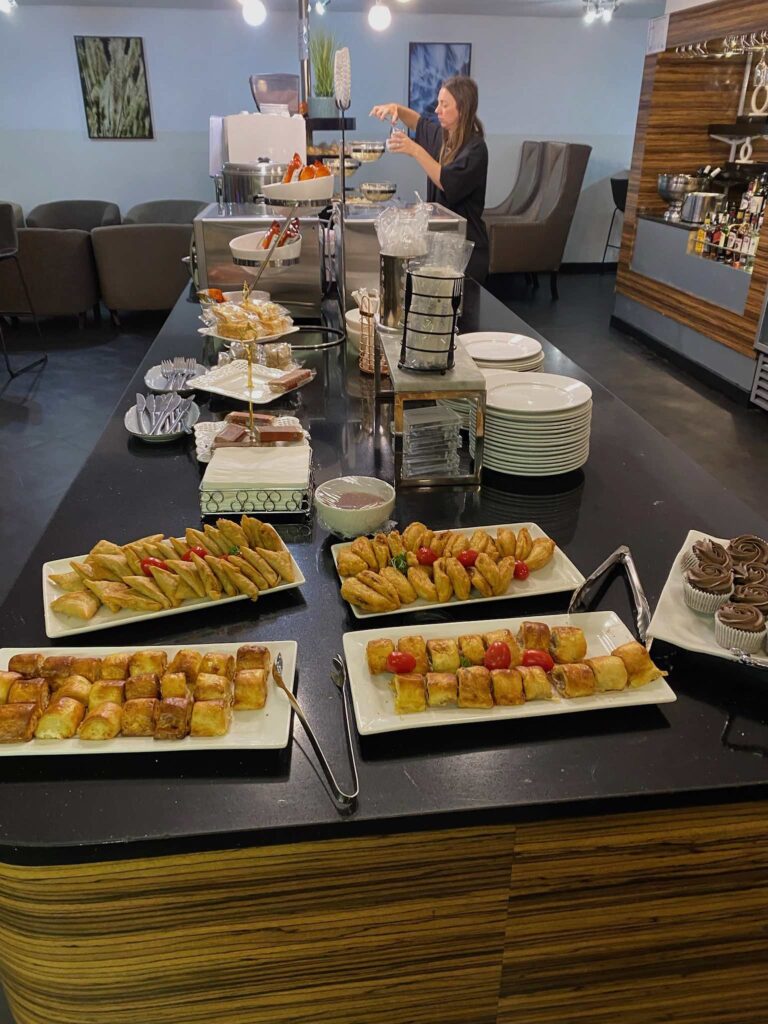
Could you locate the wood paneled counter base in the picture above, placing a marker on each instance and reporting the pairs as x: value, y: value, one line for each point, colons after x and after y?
x: 626, y: 919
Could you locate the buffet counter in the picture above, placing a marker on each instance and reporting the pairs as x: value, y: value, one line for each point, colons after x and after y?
x: 495, y: 870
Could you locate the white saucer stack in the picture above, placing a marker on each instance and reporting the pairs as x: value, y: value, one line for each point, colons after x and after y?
x: 537, y: 424
x: 496, y: 350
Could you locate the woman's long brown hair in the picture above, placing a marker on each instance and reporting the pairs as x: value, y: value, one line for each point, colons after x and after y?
x: 464, y: 92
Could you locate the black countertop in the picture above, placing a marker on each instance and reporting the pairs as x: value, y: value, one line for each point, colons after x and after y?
x: 636, y: 489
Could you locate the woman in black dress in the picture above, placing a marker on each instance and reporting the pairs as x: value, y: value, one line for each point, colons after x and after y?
x: 452, y: 152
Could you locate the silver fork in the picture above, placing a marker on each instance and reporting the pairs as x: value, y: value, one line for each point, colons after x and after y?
x: 167, y: 369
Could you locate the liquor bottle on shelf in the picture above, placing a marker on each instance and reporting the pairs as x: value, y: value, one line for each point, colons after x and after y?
x: 714, y: 245
x: 702, y: 235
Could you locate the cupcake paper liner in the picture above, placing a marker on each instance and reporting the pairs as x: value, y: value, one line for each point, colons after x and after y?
x: 751, y: 642
x: 688, y: 560
x: 701, y: 601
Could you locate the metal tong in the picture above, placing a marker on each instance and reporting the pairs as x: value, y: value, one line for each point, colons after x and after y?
x: 339, y: 676
x: 621, y: 556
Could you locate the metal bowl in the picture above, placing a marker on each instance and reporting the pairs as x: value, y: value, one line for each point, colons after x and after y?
x: 673, y: 188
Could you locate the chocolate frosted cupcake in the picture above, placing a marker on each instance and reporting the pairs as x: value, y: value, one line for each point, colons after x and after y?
x: 755, y: 575
x: 748, y: 550
x: 705, y: 552
x: 751, y: 593
x: 707, y: 586
x: 740, y: 625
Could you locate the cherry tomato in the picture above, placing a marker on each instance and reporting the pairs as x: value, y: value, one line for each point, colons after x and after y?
x: 498, y: 655
x: 522, y: 572
x: 158, y: 563
x: 538, y: 658
x: 197, y: 549
x: 468, y: 557
x: 426, y: 556
x: 401, y: 661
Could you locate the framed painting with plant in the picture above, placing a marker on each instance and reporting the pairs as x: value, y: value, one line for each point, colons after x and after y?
x: 113, y: 77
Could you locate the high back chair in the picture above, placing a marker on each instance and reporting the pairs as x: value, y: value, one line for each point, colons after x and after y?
x: 9, y: 250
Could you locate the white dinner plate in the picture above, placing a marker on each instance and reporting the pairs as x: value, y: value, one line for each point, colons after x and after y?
x: 209, y: 332
x: 373, y: 700
x: 678, y: 624
x: 542, y: 437
x: 560, y: 575
x: 543, y: 459
x: 267, y: 729
x: 537, y: 394
x: 540, y: 470
x: 65, y: 625
x: 540, y: 421
x: 155, y: 380
x: 498, y: 346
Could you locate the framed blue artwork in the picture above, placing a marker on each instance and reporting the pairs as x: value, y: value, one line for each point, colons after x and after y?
x: 429, y: 64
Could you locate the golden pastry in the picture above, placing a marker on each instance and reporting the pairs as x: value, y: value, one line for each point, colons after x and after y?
x: 363, y: 548
x: 135, y: 602
x: 111, y: 567
x: 442, y: 581
x: 541, y: 552
x: 211, y: 718
x: 506, y: 568
x: 567, y: 644
x: 442, y: 689
x: 439, y: 542
x: 486, y: 565
x: 147, y: 661
x: 172, y: 718
x: 180, y: 547
x: 422, y: 584
x: 534, y: 636
x: 253, y: 656
x: 79, y: 604
x: 30, y: 691
x: 381, y: 548
x: 89, y: 668
x: 459, y: 577
x: 609, y: 671
x: 83, y: 570
x: 66, y: 580
x: 175, y: 684
x: 479, y: 582
x: 105, y: 591
x: 416, y: 646
x: 637, y: 661
x: 54, y: 668
x: 138, y: 717
x: 249, y: 572
x: 189, y: 573
x: 252, y: 529
x: 507, y: 685
x: 145, y: 685
x: 240, y: 581
x: 215, y: 542
x: 76, y: 687
x: 410, y: 695
x: 105, y: 547
x: 395, y: 543
x: 269, y: 537
x: 60, y: 720
x: 405, y: 591
x: 28, y: 665
x: 262, y: 566
x: 117, y: 666
x: 535, y: 683
x: 504, y: 636
x: 382, y: 586
x: 458, y: 543
x: 102, y: 722
x: 169, y: 586
x: 369, y: 600
x: 148, y: 588
x: 213, y: 687
x: 216, y: 565
x: 233, y: 534
x: 350, y: 564
x: 524, y: 545
x: 376, y: 653
x: 444, y: 655
x: 7, y: 679
x: 574, y: 680
x: 506, y: 541
x: 106, y: 691
x: 472, y: 649
x: 219, y: 663
x: 412, y: 535
x: 18, y: 722
x: 210, y: 580
x: 475, y: 687
x: 282, y: 563
x: 250, y: 689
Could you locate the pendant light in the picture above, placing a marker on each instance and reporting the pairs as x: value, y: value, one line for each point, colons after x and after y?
x: 254, y: 12
x: 379, y: 16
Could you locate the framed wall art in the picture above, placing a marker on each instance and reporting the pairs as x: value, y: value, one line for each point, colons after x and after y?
x: 113, y: 77
x: 429, y: 64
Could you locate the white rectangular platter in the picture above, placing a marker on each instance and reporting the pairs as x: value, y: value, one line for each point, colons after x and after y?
x: 374, y: 702
x: 231, y: 381
x: 64, y: 625
x: 268, y: 729
x: 559, y: 576
x: 678, y: 624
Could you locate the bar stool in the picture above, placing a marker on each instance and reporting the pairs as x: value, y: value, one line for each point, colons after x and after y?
x: 619, y: 189
x: 9, y: 250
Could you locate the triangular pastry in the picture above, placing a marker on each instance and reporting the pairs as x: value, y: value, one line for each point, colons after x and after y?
x: 116, y: 565
x: 216, y: 564
x: 168, y: 583
x: 135, y: 602
x: 83, y: 570
x: 189, y: 573
x: 281, y: 562
x: 215, y: 540
x: 106, y: 547
x: 66, y: 580
x: 248, y: 570
x: 196, y: 539
x: 239, y: 580
x: 233, y: 534
x: 259, y: 562
x: 209, y: 578
x: 270, y: 538
x: 104, y: 589
x: 148, y: 588
x: 252, y: 529
x: 179, y: 547
x: 79, y: 604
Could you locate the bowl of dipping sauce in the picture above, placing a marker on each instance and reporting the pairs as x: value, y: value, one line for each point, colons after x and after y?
x: 353, y: 505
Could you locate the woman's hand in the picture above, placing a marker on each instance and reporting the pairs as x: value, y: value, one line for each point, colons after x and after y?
x: 385, y: 112
x: 399, y: 142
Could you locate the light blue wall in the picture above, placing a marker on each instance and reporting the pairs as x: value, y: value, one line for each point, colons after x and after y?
x: 539, y: 78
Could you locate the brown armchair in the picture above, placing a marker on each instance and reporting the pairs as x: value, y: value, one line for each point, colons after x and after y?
x: 59, y: 271
x: 534, y: 240
x: 526, y: 183
x: 83, y: 214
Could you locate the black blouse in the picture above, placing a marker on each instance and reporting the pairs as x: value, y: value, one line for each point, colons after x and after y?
x: 463, y: 192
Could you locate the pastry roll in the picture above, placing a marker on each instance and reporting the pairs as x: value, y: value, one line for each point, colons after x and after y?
x: 442, y: 689
x: 88, y: 668
x: 421, y: 583
x: 143, y: 686
x: 148, y: 661
x: 102, y: 722
x: 541, y: 552
x: 409, y: 693
x: 395, y: 578
x: 442, y: 581
x: 536, y: 683
x: 7, y: 679
x: 60, y: 720
x: 173, y: 717
x: 507, y: 685
x: 486, y: 565
x: 416, y: 646
x: 106, y: 691
x: 376, y: 653
x: 188, y: 662
x: 76, y: 687
x: 30, y: 691
x: 116, y: 666
x: 250, y: 689
x: 218, y: 663
x: 382, y: 587
x: 475, y: 687
x: 479, y: 582
x: 574, y: 680
x: 28, y: 665
x: 282, y: 563
x: 506, y: 541
x: 567, y: 644
x: 395, y: 543
x: 18, y: 722
x: 212, y: 687
x: 350, y: 564
x: 66, y: 580
x: 56, y: 668
x: 444, y: 655
x: 506, y: 569
x: 609, y: 671
x: 479, y: 541
x: 253, y: 656
x: 534, y: 636
x: 174, y: 684
x: 211, y: 718
x: 504, y: 636
x: 637, y: 661
x: 524, y: 545
x: 439, y: 542
x: 472, y: 648
x: 138, y: 717
x: 363, y: 548
x: 459, y: 577
x: 80, y: 604
x: 412, y: 535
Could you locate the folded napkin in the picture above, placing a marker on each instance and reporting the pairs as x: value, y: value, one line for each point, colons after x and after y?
x: 259, y: 469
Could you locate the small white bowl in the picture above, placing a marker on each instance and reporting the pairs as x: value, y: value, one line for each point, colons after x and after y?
x: 249, y: 247
x: 313, y: 190
x: 353, y: 522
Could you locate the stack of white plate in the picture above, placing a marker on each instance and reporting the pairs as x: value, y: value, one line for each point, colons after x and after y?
x: 495, y: 350
x: 537, y: 424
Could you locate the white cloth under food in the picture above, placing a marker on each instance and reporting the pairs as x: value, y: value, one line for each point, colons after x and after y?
x: 259, y: 468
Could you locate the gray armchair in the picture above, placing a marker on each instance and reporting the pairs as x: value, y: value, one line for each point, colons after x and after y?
x: 83, y: 214
x: 165, y: 211
x: 526, y: 183
x: 534, y: 240
x: 18, y: 213
x: 139, y: 265
x: 59, y: 271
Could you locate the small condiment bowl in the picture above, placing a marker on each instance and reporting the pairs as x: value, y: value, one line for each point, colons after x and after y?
x: 352, y: 522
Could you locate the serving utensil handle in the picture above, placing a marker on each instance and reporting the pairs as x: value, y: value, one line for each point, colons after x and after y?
x: 621, y: 556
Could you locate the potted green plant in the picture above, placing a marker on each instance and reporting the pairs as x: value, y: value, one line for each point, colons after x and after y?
x: 322, y: 47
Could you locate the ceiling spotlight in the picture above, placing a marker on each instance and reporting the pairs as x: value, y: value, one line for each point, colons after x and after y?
x: 320, y: 6
x: 254, y: 12
x: 599, y: 9
x: 379, y: 16
x: 607, y: 13
x: 6, y: 6
x: 590, y: 11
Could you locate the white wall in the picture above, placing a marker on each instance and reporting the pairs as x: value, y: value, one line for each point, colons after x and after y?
x: 538, y: 77
x: 680, y: 5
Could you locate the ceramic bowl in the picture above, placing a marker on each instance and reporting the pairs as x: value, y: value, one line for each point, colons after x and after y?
x: 352, y: 522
